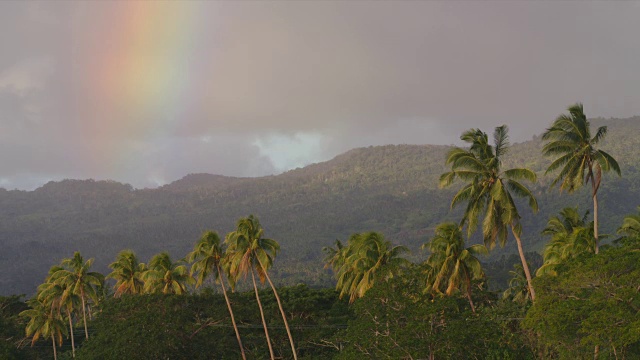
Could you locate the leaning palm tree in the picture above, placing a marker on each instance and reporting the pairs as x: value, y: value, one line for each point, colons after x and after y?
x: 206, y: 258
x: 247, y: 252
x: 357, y: 265
x: 74, y: 274
x: 455, y: 266
x: 569, y: 140
x: 165, y: 276
x: 55, y: 296
x: 489, y: 189
x: 571, y: 236
x: 127, y: 271
x: 44, y: 322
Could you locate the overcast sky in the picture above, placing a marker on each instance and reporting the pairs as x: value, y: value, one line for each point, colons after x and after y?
x: 145, y: 93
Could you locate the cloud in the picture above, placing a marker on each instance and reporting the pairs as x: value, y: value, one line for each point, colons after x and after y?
x: 146, y: 92
x: 26, y: 76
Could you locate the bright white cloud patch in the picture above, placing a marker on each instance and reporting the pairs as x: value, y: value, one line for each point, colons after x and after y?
x: 291, y: 151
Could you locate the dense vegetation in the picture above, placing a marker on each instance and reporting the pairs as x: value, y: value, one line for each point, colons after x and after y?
x: 389, y: 189
x: 578, y: 300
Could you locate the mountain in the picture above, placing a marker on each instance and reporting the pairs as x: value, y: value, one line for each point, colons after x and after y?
x: 392, y: 189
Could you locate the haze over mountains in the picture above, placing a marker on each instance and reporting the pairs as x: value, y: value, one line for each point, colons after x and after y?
x: 392, y: 189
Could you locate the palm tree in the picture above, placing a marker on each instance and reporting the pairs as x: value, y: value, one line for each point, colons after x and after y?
x: 46, y: 322
x: 454, y: 265
x: 206, y: 257
x: 631, y: 225
x: 490, y: 189
x: 357, y: 264
x: 74, y: 274
x: 55, y: 296
x: 127, y: 272
x: 248, y: 252
x: 569, y: 139
x: 518, y: 290
x: 166, y: 277
x: 571, y: 236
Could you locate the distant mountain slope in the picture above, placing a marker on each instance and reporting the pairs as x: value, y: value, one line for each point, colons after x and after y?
x: 392, y: 189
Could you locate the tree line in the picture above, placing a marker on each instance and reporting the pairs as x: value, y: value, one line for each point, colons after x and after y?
x: 581, y: 303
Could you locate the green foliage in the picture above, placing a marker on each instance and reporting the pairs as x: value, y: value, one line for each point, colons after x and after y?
x: 577, y: 155
x: 198, y: 326
x: 571, y: 236
x: 44, y: 322
x: 518, y: 290
x: 248, y: 250
x: 489, y: 190
x: 127, y: 271
x: 165, y: 276
x: 570, y: 140
x: 631, y: 226
x: 451, y: 266
x: 12, y: 330
x: 593, y: 301
x: 364, y: 258
x: 206, y: 257
x: 396, y: 320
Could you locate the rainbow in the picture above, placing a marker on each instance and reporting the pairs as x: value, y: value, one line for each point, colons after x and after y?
x: 141, y: 64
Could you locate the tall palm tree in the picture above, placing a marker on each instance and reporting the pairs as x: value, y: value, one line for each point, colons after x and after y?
x: 44, y: 322
x: 249, y: 251
x: 127, y: 271
x: 569, y: 140
x: 206, y: 257
x: 55, y: 296
x: 166, y: 277
x: 571, y: 236
x: 454, y: 265
x: 74, y: 274
x: 490, y: 189
x: 357, y: 264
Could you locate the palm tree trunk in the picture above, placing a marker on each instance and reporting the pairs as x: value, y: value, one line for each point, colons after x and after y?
x: 284, y: 317
x: 595, y: 218
x: 233, y: 320
x: 73, y: 344
x: 264, y: 323
x: 525, y: 266
x: 53, y: 339
x: 84, y: 316
x: 466, y: 273
x: 473, y: 308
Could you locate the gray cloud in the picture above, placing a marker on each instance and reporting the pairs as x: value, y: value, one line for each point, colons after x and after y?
x: 148, y: 92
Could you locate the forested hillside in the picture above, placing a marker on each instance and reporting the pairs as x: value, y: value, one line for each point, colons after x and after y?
x: 392, y: 189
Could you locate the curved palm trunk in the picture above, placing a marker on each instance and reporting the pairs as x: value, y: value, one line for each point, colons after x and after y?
x: 233, y: 320
x: 473, y: 308
x: 525, y: 266
x: 264, y: 323
x: 73, y: 343
x: 284, y: 317
x: 53, y: 339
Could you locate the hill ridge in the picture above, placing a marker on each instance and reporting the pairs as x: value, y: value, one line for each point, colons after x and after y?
x: 389, y: 188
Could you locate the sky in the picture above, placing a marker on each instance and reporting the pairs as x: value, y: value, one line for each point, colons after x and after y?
x: 147, y: 92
